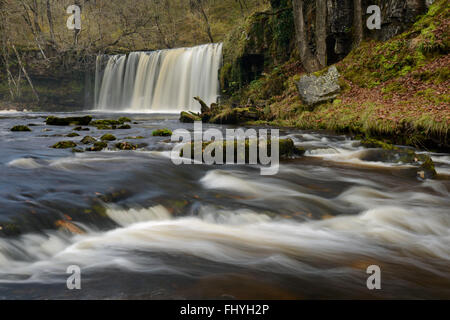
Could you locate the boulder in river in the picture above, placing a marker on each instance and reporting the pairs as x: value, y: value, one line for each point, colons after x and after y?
x: 64, y: 145
x: 124, y: 127
x: 78, y: 121
x: 108, y: 137
x: 98, y: 146
x: 88, y: 140
x: 314, y: 89
x: 72, y: 134
x: 20, y: 128
x: 126, y: 146
x: 287, y: 149
x: 80, y: 129
x: 162, y: 133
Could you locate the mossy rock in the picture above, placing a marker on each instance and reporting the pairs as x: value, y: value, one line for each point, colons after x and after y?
x: 162, y: 133
x: 109, y: 122
x: 80, y: 129
x: 237, y: 115
x: 189, y: 117
x: 287, y: 149
x: 20, y: 129
x: 98, y: 146
x: 77, y: 150
x: 73, y: 134
x: 136, y: 138
x: 88, y: 140
x: 79, y: 121
x: 126, y: 146
x: 375, y: 143
x: 64, y: 145
x: 104, y: 127
x: 124, y: 119
x: 108, y: 137
x: 124, y: 127
x: 427, y: 169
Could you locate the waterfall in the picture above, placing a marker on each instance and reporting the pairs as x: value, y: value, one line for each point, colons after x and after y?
x: 158, y: 81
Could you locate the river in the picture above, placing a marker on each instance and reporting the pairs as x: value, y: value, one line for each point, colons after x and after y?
x: 140, y: 227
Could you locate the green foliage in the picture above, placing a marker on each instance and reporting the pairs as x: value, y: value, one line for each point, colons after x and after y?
x: 162, y: 133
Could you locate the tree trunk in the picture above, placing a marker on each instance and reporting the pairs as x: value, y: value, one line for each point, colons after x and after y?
x: 25, y: 73
x: 358, y: 22
x: 50, y: 23
x: 309, y: 61
x: 208, y: 27
x: 321, y: 32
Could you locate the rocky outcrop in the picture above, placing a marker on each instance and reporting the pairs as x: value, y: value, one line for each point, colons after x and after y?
x: 20, y: 128
x: 314, y: 89
x: 78, y: 121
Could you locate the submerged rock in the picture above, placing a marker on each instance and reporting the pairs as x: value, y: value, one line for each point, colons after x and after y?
x: 98, y: 146
x: 162, y: 133
x: 20, y: 128
x: 64, y: 145
x: 104, y: 127
x: 126, y: 146
x: 124, y: 119
x: 80, y: 121
x: 385, y: 152
x: 77, y: 150
x: 314, y: 89
x: 124, y: 127
x: 80, y: 129
x: 286, y: 149
x: 88, y: 140
x: 73, y: 134
x: 189, y: 117
x: 108, y: 137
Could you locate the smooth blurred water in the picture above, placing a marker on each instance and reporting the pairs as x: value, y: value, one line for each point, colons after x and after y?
x: 141, y: 227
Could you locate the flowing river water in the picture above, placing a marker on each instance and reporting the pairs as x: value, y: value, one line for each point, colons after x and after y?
x: 141, y: 227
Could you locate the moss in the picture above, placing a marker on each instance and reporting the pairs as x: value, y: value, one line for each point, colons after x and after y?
x: 286, y: 149
x: 73, y: 134
x: 189, y: 117
x: 88, y: 140
x: 104, y: 127
x: 79, y: 121
x: 108, y: 137
x: 126, y: 146
x: 124, y: 119
x: 64, y: 145
x: 375, y: 143
x: 106, y: 122
x: 81, y: 129
x: 162, y: 133
x: 98, y: 146
x: 20, y: 128
x: 124, y: 127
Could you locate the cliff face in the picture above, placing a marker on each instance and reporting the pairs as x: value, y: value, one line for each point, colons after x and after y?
x: 268, y: 38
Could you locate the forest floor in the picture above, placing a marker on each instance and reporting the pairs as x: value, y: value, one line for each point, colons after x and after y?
x: 397, y: 90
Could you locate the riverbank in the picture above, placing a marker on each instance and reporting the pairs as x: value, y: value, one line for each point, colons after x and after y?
x: 396, y: 90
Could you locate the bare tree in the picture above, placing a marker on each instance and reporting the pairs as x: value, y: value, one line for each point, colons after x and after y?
x: 198, y: 7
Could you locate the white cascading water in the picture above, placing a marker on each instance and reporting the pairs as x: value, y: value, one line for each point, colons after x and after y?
x: 159, y: 81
